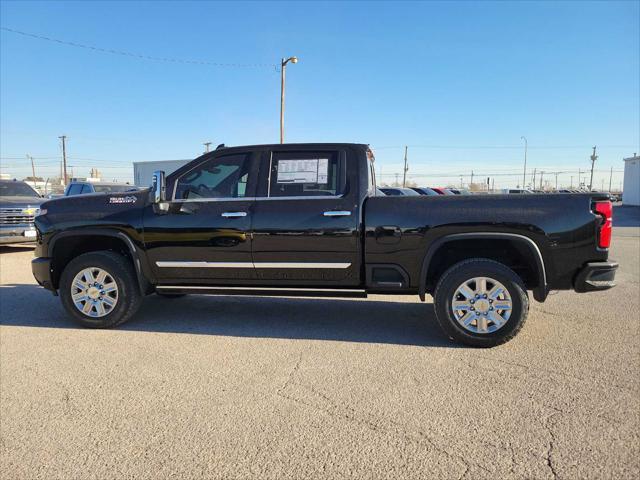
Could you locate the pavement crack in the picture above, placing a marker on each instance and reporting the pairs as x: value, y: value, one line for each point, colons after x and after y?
x: 548, y: 425
x: 292, y: 372
x: 327, y: 405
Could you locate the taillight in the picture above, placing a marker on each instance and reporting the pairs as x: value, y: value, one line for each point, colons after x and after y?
x: 605, y: 210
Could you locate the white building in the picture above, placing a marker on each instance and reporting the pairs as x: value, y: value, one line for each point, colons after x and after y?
x: 143, y: 171
x: 631, y: 189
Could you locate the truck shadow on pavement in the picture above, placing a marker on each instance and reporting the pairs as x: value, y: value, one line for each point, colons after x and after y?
x: 370, y: 321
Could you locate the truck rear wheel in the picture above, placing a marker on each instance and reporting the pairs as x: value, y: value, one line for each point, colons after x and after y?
x: 99, y: 289
x: 481, y: 303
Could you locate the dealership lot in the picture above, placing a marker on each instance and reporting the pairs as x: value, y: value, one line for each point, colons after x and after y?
x: 232, y: 387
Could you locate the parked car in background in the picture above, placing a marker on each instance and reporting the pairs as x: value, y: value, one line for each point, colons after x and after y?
x: 83, y: 188
x: 442, y: 191
x: 516, y: 191
x: 459, y: 191
x: 19, y: 204
x: 616, y: 197
x: 425, y: 191
x: 399, y: 192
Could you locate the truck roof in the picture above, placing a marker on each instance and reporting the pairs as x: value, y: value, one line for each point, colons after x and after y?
x: 295, y: 145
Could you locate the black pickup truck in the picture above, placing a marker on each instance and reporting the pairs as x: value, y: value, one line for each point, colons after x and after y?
x: 307, y: 220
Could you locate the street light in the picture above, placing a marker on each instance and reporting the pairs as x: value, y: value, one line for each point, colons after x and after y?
x: 283, y: 68
x: 524, y: 174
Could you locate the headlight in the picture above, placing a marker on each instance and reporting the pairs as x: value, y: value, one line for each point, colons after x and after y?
x: 31, y: 211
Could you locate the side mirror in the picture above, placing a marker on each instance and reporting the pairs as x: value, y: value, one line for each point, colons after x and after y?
x: 159, y: 187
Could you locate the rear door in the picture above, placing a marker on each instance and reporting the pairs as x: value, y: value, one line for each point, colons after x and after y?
x: 306, y: 218
x: 204, y: 236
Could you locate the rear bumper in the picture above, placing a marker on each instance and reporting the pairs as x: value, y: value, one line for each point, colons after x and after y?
x: 596, y: 276
x: 16, y: 234
x: 41, y: 268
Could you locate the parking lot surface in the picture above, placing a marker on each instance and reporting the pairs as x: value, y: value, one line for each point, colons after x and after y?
x: 237, y: 387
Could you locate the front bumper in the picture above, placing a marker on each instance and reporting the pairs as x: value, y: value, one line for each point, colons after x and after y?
x: 41, y: 268
x: 596, y: 276
x: 17, y: 234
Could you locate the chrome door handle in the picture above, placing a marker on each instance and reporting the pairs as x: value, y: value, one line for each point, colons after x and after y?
x: 337, y: 213
x: 234, y: 214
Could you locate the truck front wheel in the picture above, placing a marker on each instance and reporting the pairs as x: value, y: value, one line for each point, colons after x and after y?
x: 481, y: 302
x: 99, y: 289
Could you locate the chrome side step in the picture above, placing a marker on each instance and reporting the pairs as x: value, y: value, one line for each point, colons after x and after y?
x: 265, y: 291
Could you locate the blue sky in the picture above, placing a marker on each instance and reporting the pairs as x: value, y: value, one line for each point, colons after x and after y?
x: 459, y: 83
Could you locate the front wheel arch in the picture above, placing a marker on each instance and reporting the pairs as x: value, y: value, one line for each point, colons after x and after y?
x: 69, y: 244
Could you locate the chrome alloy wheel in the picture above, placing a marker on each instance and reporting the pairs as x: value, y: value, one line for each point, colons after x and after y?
x: 94, y: 292
x: 481, y: 305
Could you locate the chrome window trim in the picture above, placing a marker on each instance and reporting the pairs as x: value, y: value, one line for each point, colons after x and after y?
x: 192, y: 264
x: 269, y: 177
x: 310, y: 197
x: 256, y: 199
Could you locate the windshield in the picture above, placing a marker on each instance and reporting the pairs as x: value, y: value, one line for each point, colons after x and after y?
x: 16, y: 189
x: 113, y: 188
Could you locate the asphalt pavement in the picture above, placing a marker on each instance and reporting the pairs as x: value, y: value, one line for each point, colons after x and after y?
x: 241, y: 387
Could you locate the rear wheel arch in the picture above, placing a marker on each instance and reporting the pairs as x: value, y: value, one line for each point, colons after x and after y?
x: 67, y: 245
x: 450, y: 249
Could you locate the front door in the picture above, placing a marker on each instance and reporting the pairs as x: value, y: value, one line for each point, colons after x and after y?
x: 306, y: 219
x: 205, y: 234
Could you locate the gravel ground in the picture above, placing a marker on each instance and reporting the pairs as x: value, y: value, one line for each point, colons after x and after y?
x: 238, y: 387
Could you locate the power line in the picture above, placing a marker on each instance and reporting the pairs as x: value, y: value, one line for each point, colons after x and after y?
x: 139, y: 56
x: 498, y: 147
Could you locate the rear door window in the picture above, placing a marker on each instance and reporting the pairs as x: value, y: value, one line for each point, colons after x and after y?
x: 306, y: 174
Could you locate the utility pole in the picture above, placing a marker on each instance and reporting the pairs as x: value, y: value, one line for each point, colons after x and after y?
x: 579, y: 173
x: 556, y: 173
x: 534, y: 179
x: 594, y: 157
x: 471, y: 178
x: 493, y: 185
x: 64, y: 158
x: 541, y: 175
x: 406, y: 167
x: 461, y: 181
x: 283, y: 68
x: 524, y: 173
x: 206, y: 146
x: 610, y: 178
x: 33, y: 169
x: 571, y: 186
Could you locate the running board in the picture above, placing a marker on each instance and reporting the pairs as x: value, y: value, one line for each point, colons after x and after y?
x: 265, y: 291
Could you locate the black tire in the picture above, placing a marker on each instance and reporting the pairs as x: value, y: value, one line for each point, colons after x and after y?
x: 121, y: 270
x: 469, y: 269
x: 170, y: 295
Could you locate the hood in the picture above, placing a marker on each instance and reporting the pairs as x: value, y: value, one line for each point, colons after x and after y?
x: 21, y: 201
x: 95, y: 206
